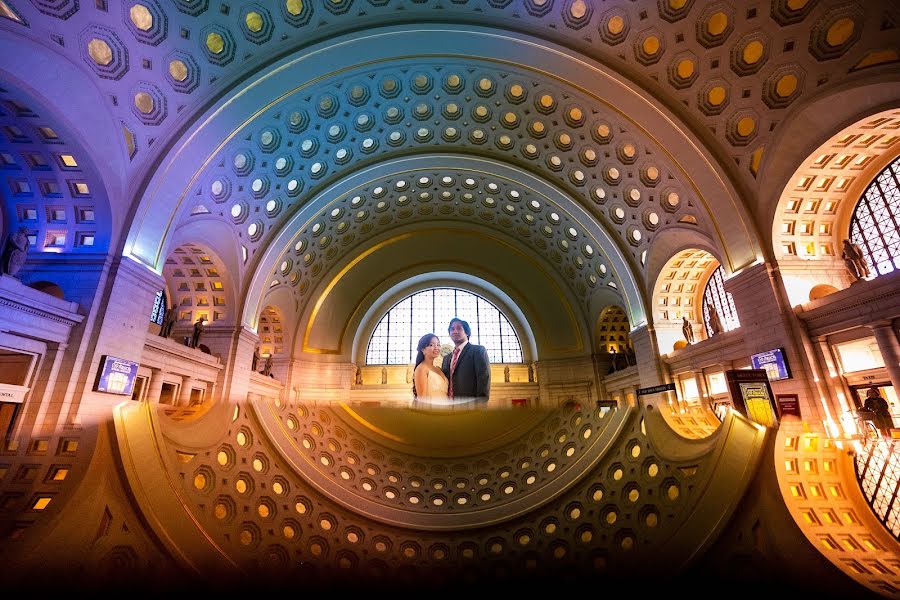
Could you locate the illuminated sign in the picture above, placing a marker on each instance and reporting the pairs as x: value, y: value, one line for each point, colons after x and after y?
x: 116, y: 376
x: 666, y: 387
x: 773, y: 362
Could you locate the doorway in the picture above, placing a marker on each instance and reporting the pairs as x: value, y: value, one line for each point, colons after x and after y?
x: 887, y: 392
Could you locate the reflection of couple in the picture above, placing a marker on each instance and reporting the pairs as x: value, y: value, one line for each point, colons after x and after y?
x: 464, y: 375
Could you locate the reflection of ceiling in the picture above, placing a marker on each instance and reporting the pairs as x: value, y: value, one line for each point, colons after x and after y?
x: 578, y: 487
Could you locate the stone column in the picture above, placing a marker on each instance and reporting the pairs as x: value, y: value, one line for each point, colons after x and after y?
x: 121, y: 328
x: 184, y: 396
x: 834, y: 384
x: 768, y: 321
x: 889, y: 348
x: 702, y: 391
x: 154, y: 386
x: 44, y: 388
x: 646, y: 351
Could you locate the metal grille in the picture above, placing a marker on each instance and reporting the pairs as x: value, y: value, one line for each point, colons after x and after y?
x: 159, y: 308
x: 875, y: 226
x: 723, y: 301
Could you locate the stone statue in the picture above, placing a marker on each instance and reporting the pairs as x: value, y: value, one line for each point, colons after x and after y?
x: 254, y: 364
x: 14, y: 253
x: 855, y: 260
x: 530, y: 374
x: 267, y: 367
x: 630, y: 357
x: 506, y: 373
x: 168, y: 322
x: 383, y: 375
x: 358, y: 379
x: 198, y: 331
x: 715, y: 323
x: 687, y: 330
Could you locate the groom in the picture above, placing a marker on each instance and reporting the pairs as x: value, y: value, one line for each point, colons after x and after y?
x: 467, y: 367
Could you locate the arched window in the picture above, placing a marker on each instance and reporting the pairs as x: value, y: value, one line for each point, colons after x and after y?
x: 875, y: 224
x: 715, y: 295
x: 394, y: 340
x: 159, y: 308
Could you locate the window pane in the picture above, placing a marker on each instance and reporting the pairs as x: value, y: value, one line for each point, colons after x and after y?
x: 395, y: 337
x: 723, y: 302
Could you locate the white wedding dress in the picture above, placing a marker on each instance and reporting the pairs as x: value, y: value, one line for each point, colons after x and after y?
x: 436, y: 385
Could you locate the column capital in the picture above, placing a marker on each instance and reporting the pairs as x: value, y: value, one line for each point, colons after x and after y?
x: 881, y: 324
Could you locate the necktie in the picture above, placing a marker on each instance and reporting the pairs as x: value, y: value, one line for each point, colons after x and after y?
x: 453, y: 368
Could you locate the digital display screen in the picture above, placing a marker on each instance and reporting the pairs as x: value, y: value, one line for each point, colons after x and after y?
x: 117, y: 376
x: 773, y: 362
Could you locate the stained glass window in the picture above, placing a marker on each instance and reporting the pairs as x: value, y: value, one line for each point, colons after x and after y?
x: 395, y: 337
x: 875, y: 224
x: 715, y: 295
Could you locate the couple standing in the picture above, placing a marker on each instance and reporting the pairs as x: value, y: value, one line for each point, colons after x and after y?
x: 465, y: 374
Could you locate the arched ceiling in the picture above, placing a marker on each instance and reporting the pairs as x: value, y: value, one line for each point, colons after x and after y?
x: 199, y: 286
x: 250, y: 112
x: 816, y: 206
x: 723, y: 62
x: 49, y: 184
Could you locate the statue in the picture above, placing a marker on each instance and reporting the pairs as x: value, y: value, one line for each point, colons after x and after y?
x: 254, y: 364
x: 358, y: 379
x: 267, y: 367
x: 168, y: 322
x: 14, y: 253
x: 383, y: 375
x: 715, y: 323
x: 687, y: 330
x: 198, y: 331
x: 506, y: 373
x: 855, y: 260
x: 530, y: 374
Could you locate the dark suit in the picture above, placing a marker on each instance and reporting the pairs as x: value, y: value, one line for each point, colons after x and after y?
x: 472, y: 376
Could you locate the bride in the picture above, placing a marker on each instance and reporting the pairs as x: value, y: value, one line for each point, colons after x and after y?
x: 429, y: 383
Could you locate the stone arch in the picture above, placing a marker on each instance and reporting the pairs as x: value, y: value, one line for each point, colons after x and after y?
x: 612, y: 336
x: 164, y: 203
x: 592, y: 268
x: 69, y: 134
x: 408, y: 285
x: 814, y: 211
x: 678, y: 293
x: 272, y: 332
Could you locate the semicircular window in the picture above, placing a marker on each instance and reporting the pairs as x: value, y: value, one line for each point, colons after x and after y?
x: 875, y: 224
x: 395, y: 337
x: 715, y: 296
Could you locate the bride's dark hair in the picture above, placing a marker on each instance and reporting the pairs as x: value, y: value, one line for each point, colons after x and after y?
x: 420, y: 356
